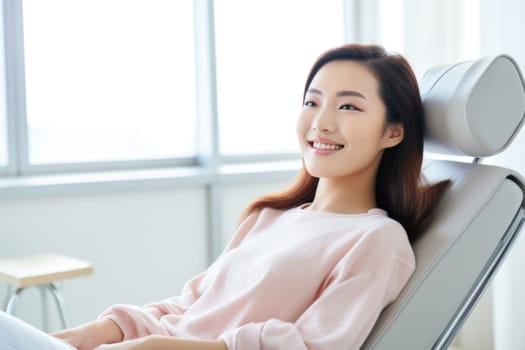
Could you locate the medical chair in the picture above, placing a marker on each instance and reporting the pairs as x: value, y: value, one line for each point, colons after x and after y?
x: 474, y: 109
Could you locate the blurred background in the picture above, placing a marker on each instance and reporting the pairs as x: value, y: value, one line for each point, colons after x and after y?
x: 134, y: 132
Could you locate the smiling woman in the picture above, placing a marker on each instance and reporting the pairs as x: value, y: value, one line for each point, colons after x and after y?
x: 333, y: 248
x: 343, y: 132
x: 366, y: 102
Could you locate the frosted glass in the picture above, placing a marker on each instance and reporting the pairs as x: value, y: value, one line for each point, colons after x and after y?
x: 109, y: 80
x: 264, y: 51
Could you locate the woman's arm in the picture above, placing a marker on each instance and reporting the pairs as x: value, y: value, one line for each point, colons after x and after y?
x: 170, y: 343
x: 92, y: 334
x: 138, y: 322
x: 157, y: 342
x: 367, y: 278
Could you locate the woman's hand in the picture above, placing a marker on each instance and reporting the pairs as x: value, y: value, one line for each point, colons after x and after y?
x: 91, y: 335
x: 159, y: 342
x: 135, y: 344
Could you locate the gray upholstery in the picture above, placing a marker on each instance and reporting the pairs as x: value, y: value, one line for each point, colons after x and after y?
x: 469, y: 223
x: 476, y: 111
x: 473, y: 108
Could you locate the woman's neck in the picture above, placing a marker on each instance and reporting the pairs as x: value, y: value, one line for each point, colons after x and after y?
x: 349, y: 195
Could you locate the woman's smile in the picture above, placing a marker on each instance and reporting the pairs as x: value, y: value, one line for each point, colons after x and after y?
x: 325, y: 146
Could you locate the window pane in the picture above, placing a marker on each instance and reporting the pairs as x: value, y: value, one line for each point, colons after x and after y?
x: 264, y: 52
x: 430, y: 33
x: 391, y: 24
x: 109, y: 79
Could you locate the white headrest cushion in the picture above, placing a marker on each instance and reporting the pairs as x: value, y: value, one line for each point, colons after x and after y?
x: 473, y: 108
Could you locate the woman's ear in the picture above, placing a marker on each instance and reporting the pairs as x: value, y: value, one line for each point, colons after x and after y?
x: 394, y: 134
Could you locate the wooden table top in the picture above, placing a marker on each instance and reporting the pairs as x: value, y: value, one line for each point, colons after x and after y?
x: 41, y: 269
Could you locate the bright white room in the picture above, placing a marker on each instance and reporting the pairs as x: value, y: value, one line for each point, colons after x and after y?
x: 133, y: 133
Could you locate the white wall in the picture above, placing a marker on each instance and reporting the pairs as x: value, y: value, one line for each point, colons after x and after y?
x: 143, y: 244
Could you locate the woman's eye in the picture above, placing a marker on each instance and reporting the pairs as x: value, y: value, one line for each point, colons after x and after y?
x: 310, y: 104
x: 349, y: 107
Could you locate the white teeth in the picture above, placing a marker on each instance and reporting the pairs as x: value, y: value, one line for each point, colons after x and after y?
x: 327, y: 146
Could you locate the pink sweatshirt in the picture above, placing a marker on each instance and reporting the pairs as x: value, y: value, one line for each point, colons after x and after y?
x: 295, y: 279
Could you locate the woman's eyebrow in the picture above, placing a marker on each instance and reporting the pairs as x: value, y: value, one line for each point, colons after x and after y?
x: 350, y: 93
x: 339, y: 93
x: 314, y: 91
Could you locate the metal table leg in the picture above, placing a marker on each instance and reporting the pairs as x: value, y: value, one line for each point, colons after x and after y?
x: 59, y: 300
x: 10, y: 307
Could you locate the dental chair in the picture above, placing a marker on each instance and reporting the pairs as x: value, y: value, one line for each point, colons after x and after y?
x: 473, y: 109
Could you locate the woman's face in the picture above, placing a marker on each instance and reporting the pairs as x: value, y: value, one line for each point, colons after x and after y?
x: 342, y: 128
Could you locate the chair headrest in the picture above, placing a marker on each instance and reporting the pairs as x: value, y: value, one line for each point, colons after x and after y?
x: 473, y: 108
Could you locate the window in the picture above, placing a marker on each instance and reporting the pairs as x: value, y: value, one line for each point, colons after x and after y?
x: 264, y: 51
x: 110, y: 84
x: 109, y: 80
x: 429, y: 33
x: 391, y: 24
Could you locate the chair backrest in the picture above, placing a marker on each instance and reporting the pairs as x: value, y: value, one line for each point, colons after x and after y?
x: 472, y: 108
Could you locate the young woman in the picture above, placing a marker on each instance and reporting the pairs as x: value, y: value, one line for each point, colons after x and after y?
x: 313, y: 266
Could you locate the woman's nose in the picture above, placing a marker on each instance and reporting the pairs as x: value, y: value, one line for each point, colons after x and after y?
x: 323, y: 122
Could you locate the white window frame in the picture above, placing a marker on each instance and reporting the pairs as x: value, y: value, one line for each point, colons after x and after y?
x: 207, y: 157
x: 18, y: 159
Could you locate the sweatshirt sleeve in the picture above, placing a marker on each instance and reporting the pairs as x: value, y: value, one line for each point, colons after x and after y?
x: 135, y: 321
x: 344, y: 313
x: 139, y: 321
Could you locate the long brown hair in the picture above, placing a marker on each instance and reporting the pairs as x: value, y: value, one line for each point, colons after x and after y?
x: 400, y: 189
